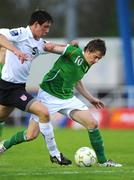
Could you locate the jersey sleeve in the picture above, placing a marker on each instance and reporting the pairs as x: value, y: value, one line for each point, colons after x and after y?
x: 13, y: 35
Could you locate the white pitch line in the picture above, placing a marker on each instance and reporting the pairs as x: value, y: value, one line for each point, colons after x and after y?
x: 63, y: 172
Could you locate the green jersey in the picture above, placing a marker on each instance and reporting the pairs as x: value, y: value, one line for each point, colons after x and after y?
x: 66, y: 72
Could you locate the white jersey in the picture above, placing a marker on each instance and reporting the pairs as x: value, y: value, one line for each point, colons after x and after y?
x: 13, y: 70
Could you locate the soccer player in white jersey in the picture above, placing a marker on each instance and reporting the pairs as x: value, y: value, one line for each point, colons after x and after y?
x: 23, y: 46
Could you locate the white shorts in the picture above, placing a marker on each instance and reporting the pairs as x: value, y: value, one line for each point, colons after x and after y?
x: 54, y: 104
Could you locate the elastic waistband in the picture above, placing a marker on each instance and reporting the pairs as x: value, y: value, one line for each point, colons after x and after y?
x: 11, y: 83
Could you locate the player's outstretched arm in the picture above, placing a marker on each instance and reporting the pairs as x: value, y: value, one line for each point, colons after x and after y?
x: 58, y: 48
x: 4, y: 42
x: 2, y: 55
x: 85, y: 93
x: 54, y: 48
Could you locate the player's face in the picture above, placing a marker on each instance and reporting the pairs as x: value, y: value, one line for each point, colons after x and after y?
x: 41, y: 30
x: 93, y: 57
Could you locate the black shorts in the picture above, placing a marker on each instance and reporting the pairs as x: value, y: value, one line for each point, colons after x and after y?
x: 15, y: 95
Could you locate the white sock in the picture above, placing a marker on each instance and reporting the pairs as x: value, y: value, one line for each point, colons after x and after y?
x: 47, y: 131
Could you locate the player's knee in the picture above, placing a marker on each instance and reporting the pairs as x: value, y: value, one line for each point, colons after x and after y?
x: 44, y: 115
x: 92, y: 124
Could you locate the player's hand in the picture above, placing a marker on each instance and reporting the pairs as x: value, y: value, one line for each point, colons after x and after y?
x: 74, y: 43
x: 49, y: 46
x: 97, y: 103
x: 21, y: 56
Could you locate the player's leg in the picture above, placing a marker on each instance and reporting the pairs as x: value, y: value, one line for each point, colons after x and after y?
x: 19, y: 98
x: 31, y: 133
x: 85, y: 118
x: 41, y: 111
x: 15, y: 139
x: 48, y: 135
x: 4, y: 113
x: 8, y: 97
x: 33, y: 130
x: 55, y: 155
x: 23, y: 136
x: 41, y: 116
x: 79, y: 112
x: 47, y: 132
x: 1, y: 129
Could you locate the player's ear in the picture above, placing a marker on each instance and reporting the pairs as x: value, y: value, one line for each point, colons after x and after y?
x: 87, y: 51
x: 35, y: 23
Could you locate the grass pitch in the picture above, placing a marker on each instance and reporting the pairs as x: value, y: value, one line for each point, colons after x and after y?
x: 31, y: 160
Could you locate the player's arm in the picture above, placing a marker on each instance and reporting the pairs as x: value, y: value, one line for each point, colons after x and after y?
x: 54, y: 48
x: 85, y: 93
x: 4, y: 42
x: 2, y: 55
x: 58, y: 48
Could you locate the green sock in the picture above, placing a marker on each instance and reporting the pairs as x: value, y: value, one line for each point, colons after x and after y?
x: 97, y: 144
x: 18, y: 138
x: 1, y: 128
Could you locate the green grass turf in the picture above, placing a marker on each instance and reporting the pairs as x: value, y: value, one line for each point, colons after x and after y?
x: 31, y: 160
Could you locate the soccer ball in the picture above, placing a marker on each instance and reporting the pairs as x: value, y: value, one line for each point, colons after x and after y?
x: 85, y: 157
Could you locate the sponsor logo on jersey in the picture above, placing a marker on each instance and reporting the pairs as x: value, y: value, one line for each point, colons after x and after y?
x: 23, y: 97
x: 35, y: 51
x: 14, y: 33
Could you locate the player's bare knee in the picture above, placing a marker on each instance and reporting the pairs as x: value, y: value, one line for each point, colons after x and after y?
x: 44, y: 116
x: 92, y: 124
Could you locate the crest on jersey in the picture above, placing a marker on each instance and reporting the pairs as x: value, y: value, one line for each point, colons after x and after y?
x: 23, y: 97
x: 14, y: 32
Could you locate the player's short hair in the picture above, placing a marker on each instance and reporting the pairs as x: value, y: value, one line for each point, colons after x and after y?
x: 40, y: 16
x: 96, y: 45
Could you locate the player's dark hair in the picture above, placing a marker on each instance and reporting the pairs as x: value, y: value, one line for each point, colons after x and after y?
x: 96, y: 45
x: 40, y: 16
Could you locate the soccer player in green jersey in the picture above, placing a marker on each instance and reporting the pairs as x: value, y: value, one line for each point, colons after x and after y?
x: 56, y: 92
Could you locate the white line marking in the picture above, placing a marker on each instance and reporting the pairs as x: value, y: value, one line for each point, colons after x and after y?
x: 63, y: 172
